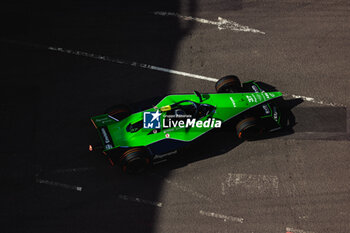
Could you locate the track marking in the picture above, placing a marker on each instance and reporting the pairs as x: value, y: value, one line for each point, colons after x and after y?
x: 251, y: 183
x: 69, y: 170
x: 66, y: 186
x: 311, y: 99
x: 293, y: 230
x: 123, y: 62
x: 223, y: 188
x: 221, y: 216
x: 221, y: 23
x: 147, y: 66
x: 188, y: 190
x: 304, y: 217
x: 139, y: 200
x: 166, y: 70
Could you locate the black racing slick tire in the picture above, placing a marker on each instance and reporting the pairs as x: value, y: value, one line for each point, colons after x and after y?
x: 134, y: 160
x: 228, y: 84
x: 119, y: 111
x: 248, y: 129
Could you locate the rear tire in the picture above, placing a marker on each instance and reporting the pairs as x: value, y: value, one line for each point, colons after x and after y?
x: 228, y: 84
x: 248, y: 129
x: 119, y: 111
x: 134, y: 160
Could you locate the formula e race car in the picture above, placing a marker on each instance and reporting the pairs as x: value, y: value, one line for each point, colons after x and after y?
x: 133, y: 140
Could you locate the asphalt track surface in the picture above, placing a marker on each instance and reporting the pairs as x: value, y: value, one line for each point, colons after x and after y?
x: 289, y: 183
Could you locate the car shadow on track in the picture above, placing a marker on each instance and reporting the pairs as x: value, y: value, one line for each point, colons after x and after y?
x: 221, y: 141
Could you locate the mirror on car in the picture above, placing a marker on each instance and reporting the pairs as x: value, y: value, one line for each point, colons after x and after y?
x: 199, y: 95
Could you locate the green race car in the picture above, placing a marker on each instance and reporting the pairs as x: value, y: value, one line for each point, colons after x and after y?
x: 134, y: 140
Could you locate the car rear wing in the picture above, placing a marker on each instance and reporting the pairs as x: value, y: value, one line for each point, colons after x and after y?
x: 101, y: 124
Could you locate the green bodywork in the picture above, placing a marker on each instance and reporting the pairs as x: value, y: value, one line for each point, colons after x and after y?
x: 227, y: 106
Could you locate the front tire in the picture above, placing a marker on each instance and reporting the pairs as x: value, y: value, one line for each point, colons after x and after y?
x: 135, y: 160
x: 228, y: 84
x: 248, y: 129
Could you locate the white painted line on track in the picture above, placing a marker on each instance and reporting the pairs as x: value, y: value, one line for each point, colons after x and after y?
x: 221, y: 216
x: 251, y: 183
x: 69, y: 170
x: 188, y: 190
x: 311, y: 99
x: 66, y: 186
x: 157, y: 68
x: 139, y: 200
x: 223, y: 189
x: 293, y: 230
x: 221, y: 23
x: 123, y: 62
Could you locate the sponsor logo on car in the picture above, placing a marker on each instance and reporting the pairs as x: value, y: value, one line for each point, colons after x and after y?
x: 266, y: 109
x: 255, y: 88
x: 275, y: 114
x: 105, y: 136
x: 250, y: 99
x: 108, y: 146
x: 258, y: 95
